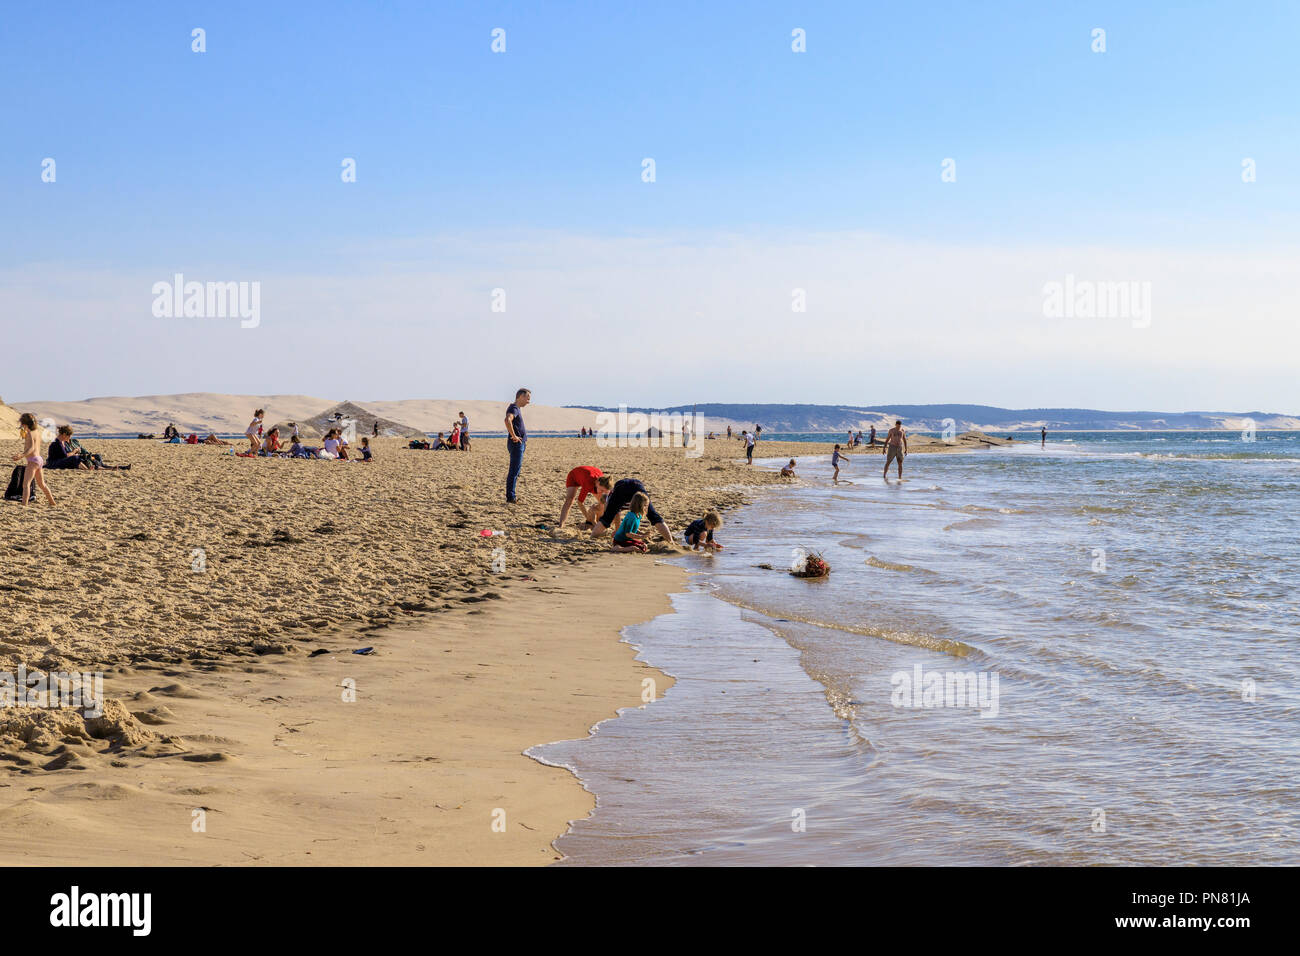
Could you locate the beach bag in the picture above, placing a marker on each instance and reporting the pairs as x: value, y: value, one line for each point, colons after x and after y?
x: 15, y: 490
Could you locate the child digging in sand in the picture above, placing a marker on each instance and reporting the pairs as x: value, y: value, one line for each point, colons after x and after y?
x: 788, y: 470
x: 33, y: 463
x: 625, y: 538
x: 699, y: 533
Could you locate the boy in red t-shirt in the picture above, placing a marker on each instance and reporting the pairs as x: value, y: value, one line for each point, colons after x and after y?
x: 583, y: 481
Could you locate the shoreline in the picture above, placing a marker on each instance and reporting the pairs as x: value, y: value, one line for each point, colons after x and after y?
x: 427, y: 766
x: 245, y: 728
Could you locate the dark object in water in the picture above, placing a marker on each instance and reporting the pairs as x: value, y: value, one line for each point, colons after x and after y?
x: 814, y: 566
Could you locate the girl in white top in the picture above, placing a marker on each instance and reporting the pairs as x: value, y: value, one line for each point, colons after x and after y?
x: 331, y: 449
x: 254, y: 440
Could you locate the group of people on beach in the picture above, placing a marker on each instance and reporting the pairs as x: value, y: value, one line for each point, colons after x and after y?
x: 609, y: 497
x: 272, y: 445
x: 64, y: 453
x: 895, y: 450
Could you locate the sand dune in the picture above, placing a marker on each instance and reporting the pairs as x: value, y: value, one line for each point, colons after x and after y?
x: 209, y: 411
x: 8, y: 422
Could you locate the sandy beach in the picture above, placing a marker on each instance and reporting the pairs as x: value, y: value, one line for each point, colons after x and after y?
x: 406, y: 756
x: 223, y: 597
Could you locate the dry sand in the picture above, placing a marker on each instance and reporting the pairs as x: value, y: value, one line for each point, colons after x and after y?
x: 266, y: 763
x: 219, y: 704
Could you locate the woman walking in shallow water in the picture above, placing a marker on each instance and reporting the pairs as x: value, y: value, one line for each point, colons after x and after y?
x: 33, y: 463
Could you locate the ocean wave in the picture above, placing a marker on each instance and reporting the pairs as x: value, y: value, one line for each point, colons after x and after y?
x: 931, y: 642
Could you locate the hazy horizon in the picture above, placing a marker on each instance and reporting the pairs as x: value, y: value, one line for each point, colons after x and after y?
x: 505, y: 400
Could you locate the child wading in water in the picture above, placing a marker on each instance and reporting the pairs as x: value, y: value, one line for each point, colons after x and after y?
x: 836, y: 458
x: 625, y: 538
x: 33, y: 463
x: 700, y: 532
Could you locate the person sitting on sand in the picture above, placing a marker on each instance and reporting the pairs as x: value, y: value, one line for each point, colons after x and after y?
x: 699, y: 533
x: 272, y: 443
x: 254, y: 432
x: 33, y: 463
x: 331, y: 449
x: 170, y: 434
x: 440, y: 443
x: 788, y: 470
x: 299, y: 450
x: 66, y: 444
x: 620, y: 496
x: 63, y: 454
x: 580, y: 482
x: 366, y: 453
x: 626, y: 538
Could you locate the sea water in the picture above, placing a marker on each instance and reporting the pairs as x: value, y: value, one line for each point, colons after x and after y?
x: 1129, y: 602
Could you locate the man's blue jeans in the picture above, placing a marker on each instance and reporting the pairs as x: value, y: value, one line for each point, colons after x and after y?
x: 516, y: 463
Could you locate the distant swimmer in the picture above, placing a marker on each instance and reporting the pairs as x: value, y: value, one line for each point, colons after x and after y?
x: 1044, y: 445
x: 895, y: 447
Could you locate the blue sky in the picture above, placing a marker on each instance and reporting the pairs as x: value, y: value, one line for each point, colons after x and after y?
x: 225, y: 165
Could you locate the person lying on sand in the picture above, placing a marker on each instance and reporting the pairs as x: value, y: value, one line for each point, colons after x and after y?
x: 299, y: 450
x: 583, y: 481
x: 626, y: 537
x: 620, y: 496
